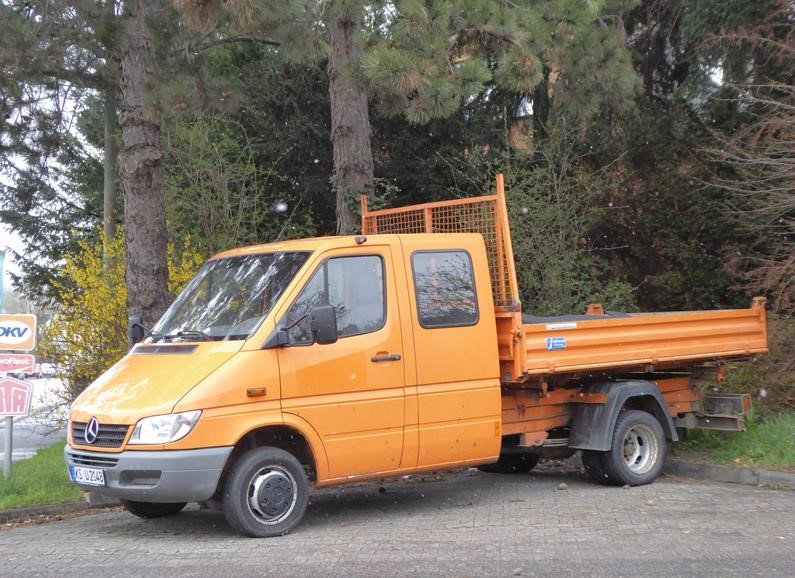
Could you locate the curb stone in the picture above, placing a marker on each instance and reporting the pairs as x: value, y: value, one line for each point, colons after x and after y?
x: 19, y: 514
x: 729, y: 474
x: 91, y: 501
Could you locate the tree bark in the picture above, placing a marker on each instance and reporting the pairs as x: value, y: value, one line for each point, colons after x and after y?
x: 109, y: 165
x: 541, y: 108
x: 140, y: 171
x: 350, y: 125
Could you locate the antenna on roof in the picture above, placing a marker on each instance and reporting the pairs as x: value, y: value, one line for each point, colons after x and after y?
x: 281, y: 207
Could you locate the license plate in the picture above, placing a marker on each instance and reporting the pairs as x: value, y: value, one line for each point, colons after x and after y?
x: 87, y: 476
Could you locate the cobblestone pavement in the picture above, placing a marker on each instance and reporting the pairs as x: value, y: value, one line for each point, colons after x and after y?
x: 454, y: 524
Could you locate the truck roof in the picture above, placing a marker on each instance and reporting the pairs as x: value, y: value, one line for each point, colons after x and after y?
x: 430, y: 240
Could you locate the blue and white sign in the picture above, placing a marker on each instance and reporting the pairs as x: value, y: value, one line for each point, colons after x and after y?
x: 556, y: 343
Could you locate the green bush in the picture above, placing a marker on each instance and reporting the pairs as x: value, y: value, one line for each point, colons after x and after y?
x: 771, y: 376
x: 556, y: 206
x: 768, y: 442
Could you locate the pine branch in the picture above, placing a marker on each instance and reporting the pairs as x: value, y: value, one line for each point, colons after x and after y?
x: 240, y: 39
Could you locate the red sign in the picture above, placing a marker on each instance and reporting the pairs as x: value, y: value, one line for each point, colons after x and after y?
x: 15, y: 397
x: 17, y: 363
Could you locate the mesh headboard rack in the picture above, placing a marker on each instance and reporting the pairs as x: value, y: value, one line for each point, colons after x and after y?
x: 485, y: 215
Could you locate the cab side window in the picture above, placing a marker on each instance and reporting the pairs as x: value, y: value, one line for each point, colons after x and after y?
x: 445, y: 287
x: 354, y: 286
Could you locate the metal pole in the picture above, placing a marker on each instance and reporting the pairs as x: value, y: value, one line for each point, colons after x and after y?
x: 2, y: 275
x: 9, y: 429
x: 9, y: 442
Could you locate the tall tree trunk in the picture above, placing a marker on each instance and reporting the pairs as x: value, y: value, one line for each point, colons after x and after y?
x: 140, y: 170
x: 541, y: 108
x: 350, y: 125
x: 109, y: 165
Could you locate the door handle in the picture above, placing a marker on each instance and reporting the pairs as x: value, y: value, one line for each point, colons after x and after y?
x: 390, y: 357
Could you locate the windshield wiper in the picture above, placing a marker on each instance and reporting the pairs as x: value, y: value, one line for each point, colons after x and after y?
x: 189, y: 334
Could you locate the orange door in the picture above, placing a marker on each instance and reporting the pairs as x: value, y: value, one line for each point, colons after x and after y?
x: 351, y: 391
x: 455, y: 338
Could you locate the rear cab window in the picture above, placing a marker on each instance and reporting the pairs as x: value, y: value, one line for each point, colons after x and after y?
x: 444, y: 284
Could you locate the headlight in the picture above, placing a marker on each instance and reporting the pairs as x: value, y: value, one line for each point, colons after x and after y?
x: 163, y: 429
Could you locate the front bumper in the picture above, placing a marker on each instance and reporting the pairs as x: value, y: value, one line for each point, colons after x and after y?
x: 155, y: 476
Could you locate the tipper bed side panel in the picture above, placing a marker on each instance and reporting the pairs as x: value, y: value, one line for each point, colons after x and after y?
x: 644, y: 339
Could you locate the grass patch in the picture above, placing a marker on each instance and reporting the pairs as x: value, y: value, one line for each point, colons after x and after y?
x: 39, y: 481
x: 769, y: 442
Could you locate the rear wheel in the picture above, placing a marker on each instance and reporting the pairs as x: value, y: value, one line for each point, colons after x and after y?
x: 266, y: 494
x: 512, y: 464
x: 153, y: 509
x: 638, y: 450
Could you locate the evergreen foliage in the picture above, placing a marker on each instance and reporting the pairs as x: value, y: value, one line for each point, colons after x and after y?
x: 217, y: 194
x: 652, y: 136
x: 556, y: 207
x: 430, y: 56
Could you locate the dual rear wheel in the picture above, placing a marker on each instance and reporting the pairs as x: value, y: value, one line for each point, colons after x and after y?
x: 635, y: 458
x: 636, y: 455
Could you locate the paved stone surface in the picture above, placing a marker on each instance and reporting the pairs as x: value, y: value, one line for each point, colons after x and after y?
x: 457, y: 525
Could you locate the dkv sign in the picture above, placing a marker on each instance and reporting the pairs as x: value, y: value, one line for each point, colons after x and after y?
x: 17, y: 332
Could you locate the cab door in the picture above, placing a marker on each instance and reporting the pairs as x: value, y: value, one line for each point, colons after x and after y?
x: 351, y: 391
x: 455, y: 339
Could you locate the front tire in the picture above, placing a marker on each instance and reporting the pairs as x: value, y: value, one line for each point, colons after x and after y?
x: 153, y: 509
x: 637, y: 452
x: 266, y: 493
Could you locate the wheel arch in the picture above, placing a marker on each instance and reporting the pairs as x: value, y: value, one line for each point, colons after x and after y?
x: 293, y: 436
x: 593, y: 424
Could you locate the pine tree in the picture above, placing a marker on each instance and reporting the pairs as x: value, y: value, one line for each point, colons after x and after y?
x: 564, y: 59
x: 57, y: 56
x: 310, y: 33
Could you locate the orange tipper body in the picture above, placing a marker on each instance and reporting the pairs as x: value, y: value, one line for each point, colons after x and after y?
x: 328, y: 360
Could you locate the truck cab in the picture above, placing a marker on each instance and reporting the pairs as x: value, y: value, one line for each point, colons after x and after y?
x: 318, y: 361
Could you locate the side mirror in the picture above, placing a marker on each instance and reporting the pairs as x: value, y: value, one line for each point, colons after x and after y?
x: 135, y: 329
x: 323, y: 323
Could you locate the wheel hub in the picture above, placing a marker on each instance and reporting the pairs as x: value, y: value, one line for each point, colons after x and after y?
x: 271, y: 495
x: 640, y: 449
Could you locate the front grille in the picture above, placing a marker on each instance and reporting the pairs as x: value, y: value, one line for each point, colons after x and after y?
x: 108, y: 436
x: 93, y: 461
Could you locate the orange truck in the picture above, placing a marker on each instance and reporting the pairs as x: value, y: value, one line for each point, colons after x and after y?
x: 315, y: 362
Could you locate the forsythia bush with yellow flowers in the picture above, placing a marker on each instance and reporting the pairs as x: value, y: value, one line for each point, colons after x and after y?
x: 88, y: 332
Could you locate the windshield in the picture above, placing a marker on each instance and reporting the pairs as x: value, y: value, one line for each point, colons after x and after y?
x: 229, y: 297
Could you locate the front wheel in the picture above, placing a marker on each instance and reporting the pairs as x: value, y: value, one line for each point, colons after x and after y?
x: 638, y: 450
x: 152, y: 509
x: 266, y: 494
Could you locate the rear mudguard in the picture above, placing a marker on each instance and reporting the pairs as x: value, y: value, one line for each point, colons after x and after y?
x: 593, y: 424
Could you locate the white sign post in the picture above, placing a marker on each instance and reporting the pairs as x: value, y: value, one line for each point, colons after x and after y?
x: 17, y: 333
x: 15, y: 396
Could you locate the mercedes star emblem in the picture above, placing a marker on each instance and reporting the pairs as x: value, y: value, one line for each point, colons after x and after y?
x: 91, y: 431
